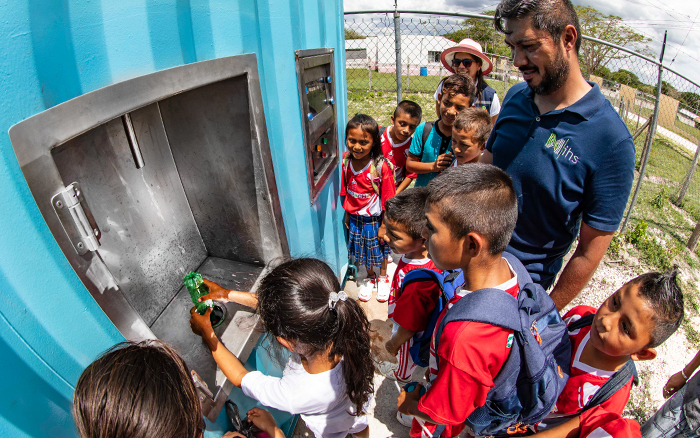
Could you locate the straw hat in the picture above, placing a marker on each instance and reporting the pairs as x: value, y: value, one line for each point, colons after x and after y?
x: 470, y: 46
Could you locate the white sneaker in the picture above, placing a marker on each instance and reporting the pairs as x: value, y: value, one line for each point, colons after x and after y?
x: 365, y: 290
x: 383, y: 289
x: 388, y: 369
x: 405, y: 420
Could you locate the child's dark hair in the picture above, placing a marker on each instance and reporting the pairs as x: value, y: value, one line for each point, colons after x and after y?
x: 137, y: 390
x: 664, y: 296
x: 476, y: 120
x: 476, y: 198
x: 293, y: 303
x: 459, y: 84
x: 369, y: 125
x: 409, y: 107
x: 408, y: 210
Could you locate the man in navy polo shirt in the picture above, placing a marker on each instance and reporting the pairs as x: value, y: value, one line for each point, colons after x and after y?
x: 570, y: 155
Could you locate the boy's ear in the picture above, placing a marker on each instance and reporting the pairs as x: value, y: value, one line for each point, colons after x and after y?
x: 473, y: 244
x: 482, y: 147
x: 644, y: 354
x: 392, y: 119
x: 439, y: 97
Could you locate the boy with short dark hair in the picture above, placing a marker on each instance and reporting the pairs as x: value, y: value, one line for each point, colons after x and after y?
x: 634, y: 320
x: 470, y: 131
x: 470, y: 214
x: 431, y: 152
x: 410, y: 307
x: 396, y: 139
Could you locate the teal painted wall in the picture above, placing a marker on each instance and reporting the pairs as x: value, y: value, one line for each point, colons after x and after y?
x: 52, y: 51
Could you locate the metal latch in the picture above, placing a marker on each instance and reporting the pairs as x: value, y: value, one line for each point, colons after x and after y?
x: 77, y: 221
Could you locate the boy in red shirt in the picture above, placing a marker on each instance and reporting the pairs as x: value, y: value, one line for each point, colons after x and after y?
x: 396, y: 140
x: 411, y: 307
x: 470, y: 215
x: 633, y: 321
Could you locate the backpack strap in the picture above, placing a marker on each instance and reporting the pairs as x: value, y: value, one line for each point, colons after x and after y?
x: 427, y: 127
x: 582, y: 322
x: 613, y: 384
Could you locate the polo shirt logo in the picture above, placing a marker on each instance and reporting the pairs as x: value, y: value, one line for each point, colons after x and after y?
x: 561, y: 148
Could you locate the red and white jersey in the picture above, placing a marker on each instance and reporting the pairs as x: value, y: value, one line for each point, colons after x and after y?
x: 397, y: 154
x: 404, y: 266
x: 462, y: 371
x: 584, y: 380
x: 599, y: 423
x: 360, y: 196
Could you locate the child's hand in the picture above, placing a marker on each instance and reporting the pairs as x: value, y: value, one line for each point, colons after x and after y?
x: 675, y: 383
x: 233, y: 435
x: 381, y: 232
x: 443, y: 162
x: 216, y: 292
x: 407, y: 400
x: 201, y: 324
x: 347, y: 220
x: 263, y: 420
x: 390, y: 348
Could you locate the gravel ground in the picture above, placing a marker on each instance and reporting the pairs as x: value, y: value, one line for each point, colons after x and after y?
x: 610, y: 275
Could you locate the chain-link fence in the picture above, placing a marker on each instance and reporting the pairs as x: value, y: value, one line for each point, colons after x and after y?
x: 390, y: 55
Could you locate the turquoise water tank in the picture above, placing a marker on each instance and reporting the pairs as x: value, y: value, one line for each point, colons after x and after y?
x: 51, y: 327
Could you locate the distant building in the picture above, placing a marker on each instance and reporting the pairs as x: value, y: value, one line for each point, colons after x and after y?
x: 688, y: 117
x: 416, y: 51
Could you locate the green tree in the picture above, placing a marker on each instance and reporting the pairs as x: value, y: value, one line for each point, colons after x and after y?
x: 483, y: 32
x: 626, y: 77
x: 669, y: 90
x: 609, y: 28
x: 352, y: 34
x: 691, y: 99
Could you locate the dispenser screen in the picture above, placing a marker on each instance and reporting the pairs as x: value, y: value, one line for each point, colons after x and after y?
x: 316, y: 96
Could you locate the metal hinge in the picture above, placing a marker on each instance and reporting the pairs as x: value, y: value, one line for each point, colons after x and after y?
x: 77, y: 221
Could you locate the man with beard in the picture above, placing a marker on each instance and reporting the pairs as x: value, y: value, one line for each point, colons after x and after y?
x: 570, y: 155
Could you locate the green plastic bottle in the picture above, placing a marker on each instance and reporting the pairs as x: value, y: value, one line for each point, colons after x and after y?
x: 197, y: 288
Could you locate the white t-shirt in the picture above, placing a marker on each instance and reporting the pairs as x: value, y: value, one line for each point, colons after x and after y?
x: 321, y: 399
x: 495, y: 103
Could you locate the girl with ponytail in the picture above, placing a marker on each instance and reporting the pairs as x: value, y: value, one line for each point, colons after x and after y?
x: 328, y: 378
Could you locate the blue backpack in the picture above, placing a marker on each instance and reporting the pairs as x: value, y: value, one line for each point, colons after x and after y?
x: 447, y: 283
x: 538, y: 365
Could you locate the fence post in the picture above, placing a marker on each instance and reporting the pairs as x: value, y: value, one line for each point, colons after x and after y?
x: 689, y: 177
x: 369, y: 73
x: 397, y: 36
x: 506, y: 73
x: 408, y: 74
x: 650, y: 138
x: 693, y: 241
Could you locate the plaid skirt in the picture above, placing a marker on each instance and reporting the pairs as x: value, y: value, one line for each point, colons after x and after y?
x: 364, y: 245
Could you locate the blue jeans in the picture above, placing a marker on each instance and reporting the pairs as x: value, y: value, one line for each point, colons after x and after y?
x: 669, y: 421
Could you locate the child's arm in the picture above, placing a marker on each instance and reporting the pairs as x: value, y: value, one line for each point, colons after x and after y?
x: 413, y: 163
x: 569, y: 429
x: 404, y: 184
x: 218, y: 293
x: 229, y: 364
x: 401, y: 336
x: 677, y: 380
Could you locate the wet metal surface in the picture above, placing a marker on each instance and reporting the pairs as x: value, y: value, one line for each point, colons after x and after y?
x: 173, y: 324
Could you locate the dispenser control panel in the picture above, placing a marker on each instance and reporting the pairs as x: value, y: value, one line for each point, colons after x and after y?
x: 315, y: 76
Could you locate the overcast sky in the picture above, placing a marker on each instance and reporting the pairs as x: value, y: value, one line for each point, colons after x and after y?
x: 649, y: 17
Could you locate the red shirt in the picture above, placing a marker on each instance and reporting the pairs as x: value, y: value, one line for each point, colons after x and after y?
x: 360, y: 196
x: 470, y: 356
x: 411, y: 310
x: 397, y: 154
x: 599, y: 423
x: 584, y: 380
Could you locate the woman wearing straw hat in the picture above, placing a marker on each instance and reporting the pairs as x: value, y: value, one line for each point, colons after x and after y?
x: 468, y: 59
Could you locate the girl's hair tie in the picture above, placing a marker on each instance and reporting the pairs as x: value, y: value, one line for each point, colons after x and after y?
x: 335, y: 297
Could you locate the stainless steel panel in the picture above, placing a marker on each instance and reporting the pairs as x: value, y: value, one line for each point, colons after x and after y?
x: 236, y: 332
x: 149, y: 238
x: 209, y: 133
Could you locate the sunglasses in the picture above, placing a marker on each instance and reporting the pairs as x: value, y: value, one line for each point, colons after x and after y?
x: 466, y: 61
